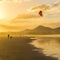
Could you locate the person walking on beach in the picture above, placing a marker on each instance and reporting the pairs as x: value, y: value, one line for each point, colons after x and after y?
x: 8, y: 35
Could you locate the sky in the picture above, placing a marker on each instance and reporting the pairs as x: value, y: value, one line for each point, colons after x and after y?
x: 16, y: 15
x: 11, y: 8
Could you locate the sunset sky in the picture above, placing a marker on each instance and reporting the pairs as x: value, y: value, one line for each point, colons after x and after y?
x: 17, y: 15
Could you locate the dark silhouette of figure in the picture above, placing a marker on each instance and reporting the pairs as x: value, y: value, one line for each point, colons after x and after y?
x: 8, y: 35
x: 40, y: 13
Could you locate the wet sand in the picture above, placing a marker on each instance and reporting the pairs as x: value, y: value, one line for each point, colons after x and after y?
x: 18, y: 48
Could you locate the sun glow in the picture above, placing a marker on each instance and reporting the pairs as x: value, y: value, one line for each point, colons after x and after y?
x: 2, y: 16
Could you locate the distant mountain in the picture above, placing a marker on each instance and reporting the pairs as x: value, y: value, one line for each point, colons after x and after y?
x: 26, y: 31
x: 57, y: 30
x: 42, y: 30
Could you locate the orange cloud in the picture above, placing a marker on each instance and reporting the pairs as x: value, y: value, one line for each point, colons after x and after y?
x: 26, y: 16
x: 41, y: 7
x: 15, y: 1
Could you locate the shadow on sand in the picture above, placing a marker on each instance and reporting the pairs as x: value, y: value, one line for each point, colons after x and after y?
x: 18, y: 48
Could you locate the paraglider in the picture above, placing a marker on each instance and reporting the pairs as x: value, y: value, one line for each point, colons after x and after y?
x: 40, y: 13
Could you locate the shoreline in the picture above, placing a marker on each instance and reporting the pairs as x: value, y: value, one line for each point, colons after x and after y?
x: 18, y: 48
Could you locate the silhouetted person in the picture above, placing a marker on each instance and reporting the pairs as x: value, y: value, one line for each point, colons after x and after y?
x: 8, y: 35
x: 40, y: 13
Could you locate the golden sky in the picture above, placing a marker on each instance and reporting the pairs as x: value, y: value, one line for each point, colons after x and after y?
x: 17, y: 15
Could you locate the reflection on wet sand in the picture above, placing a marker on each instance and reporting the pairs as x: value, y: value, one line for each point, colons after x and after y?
x: 50, y: 46
x: 18, y: 48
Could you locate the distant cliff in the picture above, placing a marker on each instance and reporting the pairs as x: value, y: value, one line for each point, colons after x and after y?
x: 42, y: 30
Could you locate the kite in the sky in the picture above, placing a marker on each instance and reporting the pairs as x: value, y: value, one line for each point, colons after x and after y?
x: 40, y: 13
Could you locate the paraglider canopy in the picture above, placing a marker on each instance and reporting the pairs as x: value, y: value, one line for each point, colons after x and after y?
x: 40, y: 13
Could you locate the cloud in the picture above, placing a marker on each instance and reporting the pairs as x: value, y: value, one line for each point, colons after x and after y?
x: 56, y: 4
x: 40, y: 7
x: 26, y: 16
x: 16, y: 1
x: 10, y: 28
x: 55, y: 9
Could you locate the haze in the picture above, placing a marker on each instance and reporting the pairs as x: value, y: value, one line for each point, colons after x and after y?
x: 19, y: 15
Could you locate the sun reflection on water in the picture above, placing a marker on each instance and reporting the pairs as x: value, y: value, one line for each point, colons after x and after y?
x: 50, y: 46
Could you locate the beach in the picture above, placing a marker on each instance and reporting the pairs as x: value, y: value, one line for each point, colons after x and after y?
x: 19, y: 48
